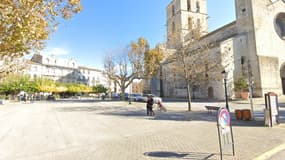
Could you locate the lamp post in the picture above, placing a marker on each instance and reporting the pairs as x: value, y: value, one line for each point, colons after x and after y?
x: 226, y: 91
x: 20, y: 95
x: 130, y: 94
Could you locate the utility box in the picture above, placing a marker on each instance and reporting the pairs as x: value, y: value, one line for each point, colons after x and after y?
x: 271, y: 111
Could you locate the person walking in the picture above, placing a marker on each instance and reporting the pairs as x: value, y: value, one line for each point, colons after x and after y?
x: 160, y: 106
x: 149, y: 104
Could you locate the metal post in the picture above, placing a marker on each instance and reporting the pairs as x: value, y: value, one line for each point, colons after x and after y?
x: 219, y: 135
x: 251, y: 100
x: 130, y: 94
x: 226, y: 95
x: 250, y: 82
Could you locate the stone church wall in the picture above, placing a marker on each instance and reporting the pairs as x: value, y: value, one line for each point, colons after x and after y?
x: 270, y: 48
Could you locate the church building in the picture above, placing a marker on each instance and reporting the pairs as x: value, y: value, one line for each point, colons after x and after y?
x: 252, y: 47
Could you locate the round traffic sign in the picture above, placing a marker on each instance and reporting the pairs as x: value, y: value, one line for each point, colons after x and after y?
x: 224, y: 118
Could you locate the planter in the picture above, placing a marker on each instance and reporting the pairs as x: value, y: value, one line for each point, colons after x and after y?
x: 246, y: 115
x: 238, y: 114
x: 244, y: 95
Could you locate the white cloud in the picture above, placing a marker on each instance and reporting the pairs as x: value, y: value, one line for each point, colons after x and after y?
x: 56, y: 51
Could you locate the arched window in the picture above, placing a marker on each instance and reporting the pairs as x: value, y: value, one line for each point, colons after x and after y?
x: 190, y: 23
x: 197, y: 6
x: 210, y: 92
x: 280, y: 25
x: 198, y: 23
x: 173, y: 27
x: 173, y: 10
x: 189, y: 5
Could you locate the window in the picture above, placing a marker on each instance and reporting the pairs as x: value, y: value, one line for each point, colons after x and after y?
x: 197, y: 6
x: 280, y: 25
x: 189, y: 5
x: 190, y: 23
x: 173, y: 10
x: 173, y: 27
x: 198, y: 23
x: 206, y: 70
x: 242, y: 59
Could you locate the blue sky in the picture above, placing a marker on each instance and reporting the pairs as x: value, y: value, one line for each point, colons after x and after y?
x: 108, y: 26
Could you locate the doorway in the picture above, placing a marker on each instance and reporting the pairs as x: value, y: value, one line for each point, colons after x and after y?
x: 282, y: 74
x: 210, y: 92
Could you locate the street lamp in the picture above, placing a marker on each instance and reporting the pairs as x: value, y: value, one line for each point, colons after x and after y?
x: 20, y: 95
x: 130, y: 94
x: 226, y: 92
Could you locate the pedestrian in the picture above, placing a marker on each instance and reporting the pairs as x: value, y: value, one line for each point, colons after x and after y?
x: 161, y: 107
x: 149, y: 103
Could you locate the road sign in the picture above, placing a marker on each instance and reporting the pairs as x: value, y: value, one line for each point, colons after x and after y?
x: 225, y: 129
x: 224, y: 120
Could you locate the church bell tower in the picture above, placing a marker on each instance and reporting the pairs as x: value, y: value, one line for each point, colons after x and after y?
x: 183, y: 16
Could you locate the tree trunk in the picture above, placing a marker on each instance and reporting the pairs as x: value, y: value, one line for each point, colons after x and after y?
x: 189, y: 97
x: 123, y: 93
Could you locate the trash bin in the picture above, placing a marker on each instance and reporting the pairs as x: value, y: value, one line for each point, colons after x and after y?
x: 238, y: 114
x: 246, y: 115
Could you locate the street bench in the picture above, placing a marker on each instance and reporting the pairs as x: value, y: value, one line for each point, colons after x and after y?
x: 212, y: 108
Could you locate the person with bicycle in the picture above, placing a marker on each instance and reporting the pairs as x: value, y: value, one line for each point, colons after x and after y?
x: 149, y: 104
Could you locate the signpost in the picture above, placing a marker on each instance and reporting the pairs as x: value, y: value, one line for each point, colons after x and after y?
x: 225, y: 130
x: 271, y: 115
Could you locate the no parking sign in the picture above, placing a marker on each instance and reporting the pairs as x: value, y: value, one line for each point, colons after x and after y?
x: 224, y: 120
x: 225, y: 131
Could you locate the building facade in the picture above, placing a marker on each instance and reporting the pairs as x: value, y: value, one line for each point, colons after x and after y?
x: 64, y: 70
x: 252, y: 46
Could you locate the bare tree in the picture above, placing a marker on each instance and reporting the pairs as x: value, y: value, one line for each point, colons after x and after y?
x: 138, y: 61
x: 192, y: 62
x: 123, y: 69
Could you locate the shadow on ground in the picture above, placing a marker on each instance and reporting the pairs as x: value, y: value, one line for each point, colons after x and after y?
x: 128, y: 112
x: 186, y: 116
x: 181, y: 155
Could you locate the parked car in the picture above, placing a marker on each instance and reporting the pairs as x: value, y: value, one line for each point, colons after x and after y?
x: 115, y: 95
x: 140, y: 98
x: 135, y: 96
x: 144, y: 97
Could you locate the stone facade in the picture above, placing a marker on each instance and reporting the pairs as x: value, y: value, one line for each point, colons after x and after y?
x: 64, y: 70
x: 251, y: 46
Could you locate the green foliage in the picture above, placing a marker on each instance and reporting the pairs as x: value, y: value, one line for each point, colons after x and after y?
x: 13, y: 84
x: 16, y: 83
x: 44, y: 85
x: 99, y: 89
x: 26, y: 24
x: 241, y: 85
x: 77, y: 88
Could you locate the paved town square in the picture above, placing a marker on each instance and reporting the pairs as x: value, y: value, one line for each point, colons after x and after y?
x: 114, y: 130
x: 213, y: 71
